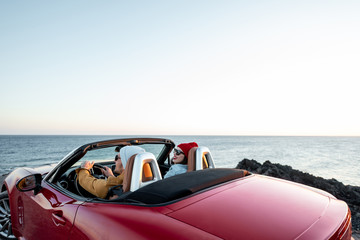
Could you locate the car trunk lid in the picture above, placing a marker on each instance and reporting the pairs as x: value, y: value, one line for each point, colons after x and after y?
x: 256, y: 208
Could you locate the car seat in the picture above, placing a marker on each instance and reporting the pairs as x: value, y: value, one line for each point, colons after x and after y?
x: 141, y: 169
x: 200, y: 158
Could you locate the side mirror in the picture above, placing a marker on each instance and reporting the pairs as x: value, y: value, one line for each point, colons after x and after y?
x: 31, y: 182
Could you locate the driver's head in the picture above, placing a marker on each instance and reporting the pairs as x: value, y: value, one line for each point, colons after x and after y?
x: 128, y: 151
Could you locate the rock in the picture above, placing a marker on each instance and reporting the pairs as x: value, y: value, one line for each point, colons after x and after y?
x: 349, y: 194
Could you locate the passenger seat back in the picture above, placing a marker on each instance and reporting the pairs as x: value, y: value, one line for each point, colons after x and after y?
x: 200, y: 158
x: 141, y: 169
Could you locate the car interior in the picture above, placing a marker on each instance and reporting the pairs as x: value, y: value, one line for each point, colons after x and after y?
x: 143, y: 170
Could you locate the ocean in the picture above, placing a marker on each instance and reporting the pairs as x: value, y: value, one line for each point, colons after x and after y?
x: 327, y: 157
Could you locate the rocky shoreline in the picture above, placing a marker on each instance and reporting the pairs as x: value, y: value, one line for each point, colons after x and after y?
x: 349, y: 194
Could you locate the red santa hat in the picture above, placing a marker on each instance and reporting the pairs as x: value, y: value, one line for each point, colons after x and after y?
x: 185, y: 147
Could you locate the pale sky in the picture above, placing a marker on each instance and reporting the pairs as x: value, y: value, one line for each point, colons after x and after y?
x: 180, y: 67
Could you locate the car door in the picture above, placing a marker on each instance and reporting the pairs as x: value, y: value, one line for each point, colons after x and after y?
x: 47, y: 215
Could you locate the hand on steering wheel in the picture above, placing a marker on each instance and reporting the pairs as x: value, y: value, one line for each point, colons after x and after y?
x: 107, y: 172
x: 91, y: 165
x: 87, y: 165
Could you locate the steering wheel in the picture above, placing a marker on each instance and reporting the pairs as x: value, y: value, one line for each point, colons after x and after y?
x: 96, y: 172
x: 93, y: 171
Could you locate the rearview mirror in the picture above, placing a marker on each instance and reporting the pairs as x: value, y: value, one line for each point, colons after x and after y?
x: 31, y: 182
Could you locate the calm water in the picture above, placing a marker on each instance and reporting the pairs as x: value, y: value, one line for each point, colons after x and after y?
x: 328, y: 157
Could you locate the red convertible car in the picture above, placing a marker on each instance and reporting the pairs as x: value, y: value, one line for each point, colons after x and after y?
x: 204, y: 203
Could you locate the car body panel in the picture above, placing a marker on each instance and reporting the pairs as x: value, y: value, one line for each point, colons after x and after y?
x: 119, y: 221
x: 48, y: 213
x: 331, y: 220
x: 260, y: 207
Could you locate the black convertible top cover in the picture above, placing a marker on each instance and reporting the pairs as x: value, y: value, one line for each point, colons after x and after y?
x: 183, y: 184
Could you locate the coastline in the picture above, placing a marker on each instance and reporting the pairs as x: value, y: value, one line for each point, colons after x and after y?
x: 349, y: 194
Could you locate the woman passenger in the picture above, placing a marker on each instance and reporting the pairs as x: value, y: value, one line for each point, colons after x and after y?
x: 179, y: 161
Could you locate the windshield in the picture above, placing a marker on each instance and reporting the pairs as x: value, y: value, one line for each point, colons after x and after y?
x: 108, y: 154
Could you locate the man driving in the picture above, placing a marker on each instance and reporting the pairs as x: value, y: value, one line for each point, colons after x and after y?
x: 100, y: 187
